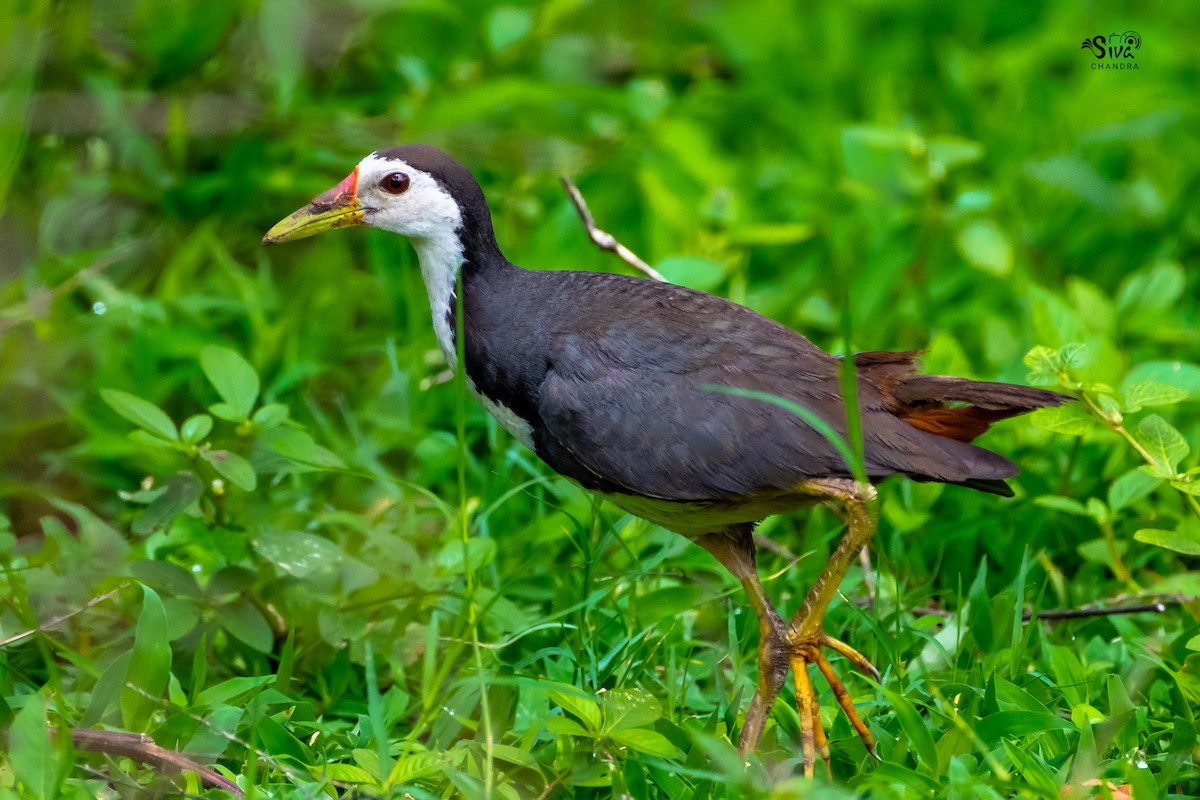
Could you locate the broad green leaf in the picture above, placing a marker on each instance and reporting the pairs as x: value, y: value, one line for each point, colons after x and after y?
x: 302, y: 554
x: 986, y: 247
x: 1151, y: 289
x: 1043, y: 361
x: 630, y: 708
x: 1182, y: 540
x: 149, y: 666
x: 195, y: 428
x: 566, y: 726
x: 32, y: 754
x: 1152, y: 393
x: 415, y: 766
x: 1189, y: 485
x: 1179, y: 374
x: 142, y: 413
x: 182, y: 490
x: 1165, y: 444
x: 299, y: 447
x: 1070, y: 420
x: 645, y: 740
x: 479, y: 552
x: 233, y: 468
x: 1130, y: 488
x: 270, y: 415
x: 246, y: 622
x: 1074, y: 355
x: 583, y: 707
x: 233, y: 378
x: 1193, y: 643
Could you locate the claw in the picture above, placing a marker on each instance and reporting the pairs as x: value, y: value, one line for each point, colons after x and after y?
x: 857, y: 659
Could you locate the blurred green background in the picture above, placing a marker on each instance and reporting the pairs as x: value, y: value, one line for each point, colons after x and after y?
x: 353, y: 578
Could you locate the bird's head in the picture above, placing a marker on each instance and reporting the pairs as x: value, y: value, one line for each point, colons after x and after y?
x: 413, y: 190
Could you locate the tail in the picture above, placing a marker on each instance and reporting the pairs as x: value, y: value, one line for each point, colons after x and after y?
x: 958, y: 409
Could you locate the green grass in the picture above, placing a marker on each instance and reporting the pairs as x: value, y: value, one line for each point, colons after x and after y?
x: 317, y: 565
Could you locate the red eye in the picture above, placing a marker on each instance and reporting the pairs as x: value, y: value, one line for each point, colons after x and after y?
x: 394, y: 183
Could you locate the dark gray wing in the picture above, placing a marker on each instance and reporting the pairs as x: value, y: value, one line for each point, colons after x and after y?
x: 624, y: 405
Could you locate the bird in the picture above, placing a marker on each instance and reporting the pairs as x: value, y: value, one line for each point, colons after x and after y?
x: 658, y: 398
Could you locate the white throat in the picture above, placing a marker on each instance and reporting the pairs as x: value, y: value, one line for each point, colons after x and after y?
x: 441, y: 258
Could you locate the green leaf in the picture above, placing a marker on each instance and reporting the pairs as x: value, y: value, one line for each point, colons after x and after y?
x: 232, y: 468
x: 582, y: 706
x: 345, y: 773
x: 1174, y: 373
x: 1184, y: 540
x: 247, y: 624
x: 1065, y: 504
x: 149, y: 666
x: 507, y: 25
x: 299, y: 447
x: 32, y: 755
x: 566, y: 726
x: 479, y: 551
x: 233, y: 378
x: 1152, y: 393
x: 1165, y: 444
x: 182, y: 490
x: 646, y: 741
x: 986, y: 247
x: 1043, y: 361
x: 1151, y: 289
x: 301, y: 554
x: 195, y: 428
x: 270, y: 415
x: 992, y: 728
x: 1070, y: 420
x: 1130, y: 488
x: 1193, y: 643
x: 768, y: 234
x: 630, y: 708
x: 142, y: 413
x: 916, y: 730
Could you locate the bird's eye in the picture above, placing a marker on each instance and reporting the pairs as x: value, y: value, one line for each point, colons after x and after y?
x: 394, y: 183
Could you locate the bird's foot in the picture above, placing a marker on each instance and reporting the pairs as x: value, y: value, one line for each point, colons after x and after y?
x: 803, y: 651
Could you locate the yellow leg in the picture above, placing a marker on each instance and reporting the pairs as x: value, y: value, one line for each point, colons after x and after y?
x: 800, y: 643
x: 805, y: 639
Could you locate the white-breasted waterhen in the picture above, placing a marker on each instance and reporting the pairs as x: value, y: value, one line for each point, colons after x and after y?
x: 610, y: 379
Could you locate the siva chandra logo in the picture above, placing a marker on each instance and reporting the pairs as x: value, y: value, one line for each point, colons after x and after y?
x: 1115, y: 51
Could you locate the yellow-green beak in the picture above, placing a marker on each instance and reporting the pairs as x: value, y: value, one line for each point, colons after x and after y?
x: 336, y: 208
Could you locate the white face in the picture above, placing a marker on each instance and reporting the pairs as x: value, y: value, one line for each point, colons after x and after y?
x: 399, y: 198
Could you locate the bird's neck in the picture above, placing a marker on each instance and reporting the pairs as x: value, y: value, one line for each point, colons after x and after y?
x: 443, y: 257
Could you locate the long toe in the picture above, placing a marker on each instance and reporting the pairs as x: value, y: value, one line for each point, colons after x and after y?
x: 812, y: 734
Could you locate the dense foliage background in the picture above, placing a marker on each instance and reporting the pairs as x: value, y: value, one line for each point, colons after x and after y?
x: 340, y: 573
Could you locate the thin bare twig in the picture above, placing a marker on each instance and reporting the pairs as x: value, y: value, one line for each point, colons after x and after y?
x: 141, y: 748
x: 770, y: 545
x: 54, y: 622
x: 1058, y: 614
x: 604, y: 240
